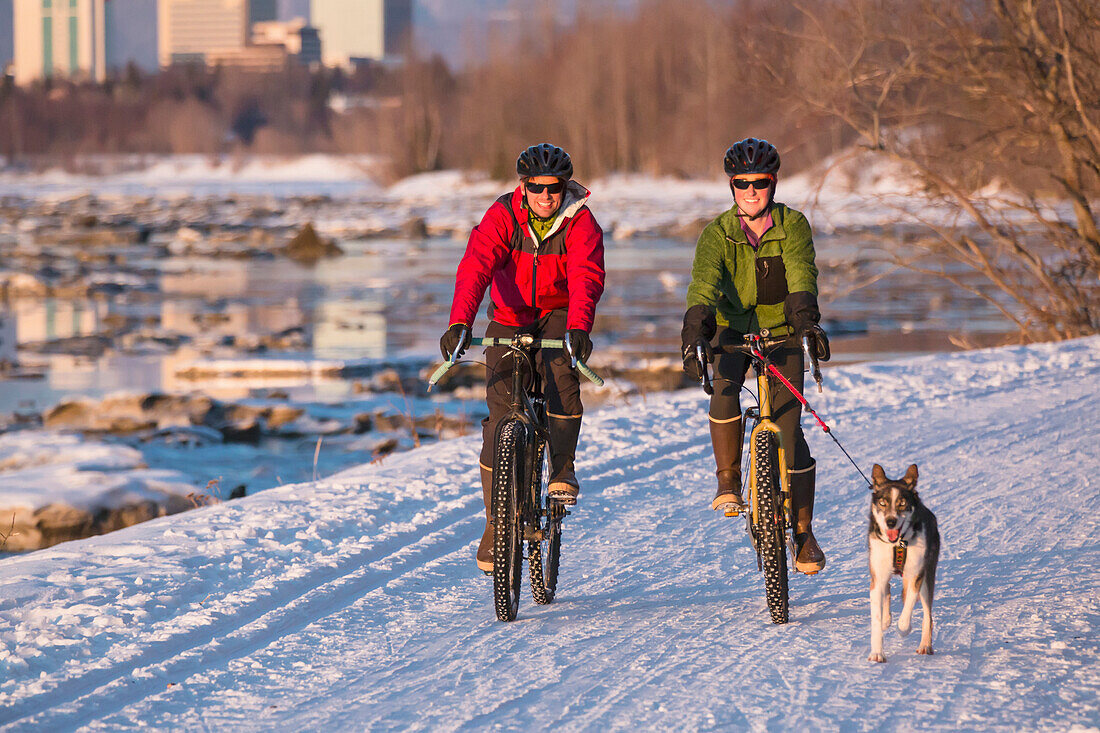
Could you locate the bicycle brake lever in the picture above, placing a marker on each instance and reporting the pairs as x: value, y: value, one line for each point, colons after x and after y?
x: 704, y: 371
x: 569, y: 350
x: 815, y: 367
x: 451, y: 360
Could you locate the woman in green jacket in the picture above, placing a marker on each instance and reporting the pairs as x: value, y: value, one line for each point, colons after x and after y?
x: 754, y: 268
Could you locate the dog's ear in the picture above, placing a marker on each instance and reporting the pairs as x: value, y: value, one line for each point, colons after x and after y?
x: 911, y: 476
x: 878, y: 476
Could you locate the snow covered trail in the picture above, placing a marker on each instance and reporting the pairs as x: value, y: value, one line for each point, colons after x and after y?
x: 353, y: 603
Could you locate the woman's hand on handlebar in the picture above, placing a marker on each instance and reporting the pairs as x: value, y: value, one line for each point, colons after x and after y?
x: 691, y: 353
x: 817, y: 343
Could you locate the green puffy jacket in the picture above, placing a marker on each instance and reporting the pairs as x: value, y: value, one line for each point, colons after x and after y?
x: 748, y: 289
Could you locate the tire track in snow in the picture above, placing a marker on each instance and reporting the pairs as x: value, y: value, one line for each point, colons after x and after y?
x: 252, y: 626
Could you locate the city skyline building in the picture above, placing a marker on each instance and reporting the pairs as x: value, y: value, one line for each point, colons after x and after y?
x: 353, y: 30
x: 300, y: 39
x: 59, y: 38
x: 190, y: 30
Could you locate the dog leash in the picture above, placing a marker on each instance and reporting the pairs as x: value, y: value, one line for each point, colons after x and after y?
x: 828, y: 431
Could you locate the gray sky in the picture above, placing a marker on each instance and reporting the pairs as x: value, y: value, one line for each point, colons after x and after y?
x: 133, y: 28
x: 5, y: 33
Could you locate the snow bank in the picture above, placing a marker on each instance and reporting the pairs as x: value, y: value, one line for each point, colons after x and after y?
x: 56, y: 487
x: 203, y: 175
x: 352, y: 603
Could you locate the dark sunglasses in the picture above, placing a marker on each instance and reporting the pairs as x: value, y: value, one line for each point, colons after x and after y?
x: 551, y: 187
x: 759, y: 184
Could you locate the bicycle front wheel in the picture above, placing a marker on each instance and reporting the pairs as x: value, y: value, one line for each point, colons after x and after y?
x: 770, y: 532
x: 508, y: 478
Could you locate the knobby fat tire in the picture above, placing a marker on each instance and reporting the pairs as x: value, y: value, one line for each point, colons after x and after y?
x: 508, y: 538
x: 773, y: 550
x: 544, y: 579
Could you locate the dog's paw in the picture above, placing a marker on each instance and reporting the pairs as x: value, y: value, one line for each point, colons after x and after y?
x: 887, y: 619
x: 925, y: 650
x: 904, y: 627
x: 876, y: 657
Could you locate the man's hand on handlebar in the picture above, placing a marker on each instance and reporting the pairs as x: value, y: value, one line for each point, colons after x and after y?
x: 455, y: 341
x: 578, y: 344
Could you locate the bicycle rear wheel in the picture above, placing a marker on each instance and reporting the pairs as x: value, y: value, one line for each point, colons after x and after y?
x: 508, y: 474
x: 544, y: 577
x: 770, y: 532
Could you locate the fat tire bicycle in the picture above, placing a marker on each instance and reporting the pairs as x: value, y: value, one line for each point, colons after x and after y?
x: 521, y: 505
x: 768, y: 517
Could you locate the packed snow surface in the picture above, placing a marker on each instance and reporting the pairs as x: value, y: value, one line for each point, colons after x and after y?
x: 353, y: 602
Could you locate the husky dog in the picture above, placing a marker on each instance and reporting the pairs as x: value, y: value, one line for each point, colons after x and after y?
x: 902, y: 539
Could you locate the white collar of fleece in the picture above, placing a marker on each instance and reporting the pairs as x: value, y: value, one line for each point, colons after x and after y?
x: 575, y: 197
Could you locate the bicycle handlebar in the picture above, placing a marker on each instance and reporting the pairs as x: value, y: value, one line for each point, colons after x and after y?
x: 517, y: 342
x: 754, y: 346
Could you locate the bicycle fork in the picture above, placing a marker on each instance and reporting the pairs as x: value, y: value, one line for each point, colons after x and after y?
x: 763, y: 422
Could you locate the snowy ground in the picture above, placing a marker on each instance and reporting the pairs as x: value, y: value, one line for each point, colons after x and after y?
x: 353, y: 603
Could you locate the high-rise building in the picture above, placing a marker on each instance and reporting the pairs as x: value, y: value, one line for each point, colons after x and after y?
x: 299, y: 38
x: 189, y: 30
x: 59, y: 38
x: 360, y: 29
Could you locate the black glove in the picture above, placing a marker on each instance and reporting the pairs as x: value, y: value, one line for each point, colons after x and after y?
x: 578, y: 344
x: 699, y: 325
x: 691, y: 359
x: 801, y: 312
x: 450, y: 342
x: 819, y: 343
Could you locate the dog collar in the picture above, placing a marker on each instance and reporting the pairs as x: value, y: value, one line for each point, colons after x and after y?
x: 899, y: 556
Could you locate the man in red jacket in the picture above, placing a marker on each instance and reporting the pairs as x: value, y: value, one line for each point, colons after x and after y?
x: 542, y: 251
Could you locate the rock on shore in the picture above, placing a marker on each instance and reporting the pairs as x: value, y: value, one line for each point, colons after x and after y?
x: 55, y: 488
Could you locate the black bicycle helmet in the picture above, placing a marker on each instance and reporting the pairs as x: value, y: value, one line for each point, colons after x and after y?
x: 751, y: 156
x: 544, y: 160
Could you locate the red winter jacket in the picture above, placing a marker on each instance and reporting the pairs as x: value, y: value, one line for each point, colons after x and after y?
x: 566, y: 271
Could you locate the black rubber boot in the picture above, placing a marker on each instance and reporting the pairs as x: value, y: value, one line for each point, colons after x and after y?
x: 485, y: 548
x: 809, y: 558
x: 726, y: 439
x: 564, y: 433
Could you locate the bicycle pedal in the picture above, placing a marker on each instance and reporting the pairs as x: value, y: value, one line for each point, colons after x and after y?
x: 532, y: 535
x: 732, y: 510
